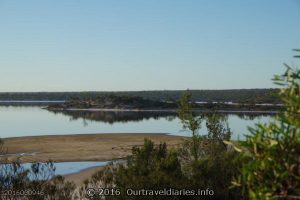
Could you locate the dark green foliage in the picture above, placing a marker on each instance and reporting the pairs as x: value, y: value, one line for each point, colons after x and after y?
x: 36, y: 183
x: 216, y: 164
x: 205, y: 159
x: 114, y: 102
x: 190, y: 121
x: 272, y: 152
x: 242, y: 95
x: 39, y: 180
x: 157, y: 167
x: 149, y: 167
x: 268, y: 168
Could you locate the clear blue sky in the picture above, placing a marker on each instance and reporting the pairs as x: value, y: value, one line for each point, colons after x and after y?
x: 86, y: 45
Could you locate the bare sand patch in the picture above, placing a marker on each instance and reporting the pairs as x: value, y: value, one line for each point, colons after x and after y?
x: 82, y: 147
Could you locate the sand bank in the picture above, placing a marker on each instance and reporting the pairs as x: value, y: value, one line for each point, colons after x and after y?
x: 83, y: 147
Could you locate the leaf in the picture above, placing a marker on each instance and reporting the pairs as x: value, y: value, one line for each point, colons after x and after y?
x: 230, y: 143
x: 273, y: 142
x: 235, y: 184
x: 237, y: 149
x: 227, y: 142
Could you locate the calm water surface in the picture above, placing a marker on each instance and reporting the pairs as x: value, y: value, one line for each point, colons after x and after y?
x: 61, y: 168
x: 19, y: 121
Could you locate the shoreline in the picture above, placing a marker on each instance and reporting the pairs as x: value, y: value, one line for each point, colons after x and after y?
x: 83, y: 134
x: 163, y: 110
x: 80, y: 147
x: 79, y: 177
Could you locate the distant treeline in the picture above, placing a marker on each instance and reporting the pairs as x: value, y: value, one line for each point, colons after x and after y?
x: 236, y: 95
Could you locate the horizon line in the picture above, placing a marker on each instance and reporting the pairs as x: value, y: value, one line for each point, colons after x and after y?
x: 90, y: 91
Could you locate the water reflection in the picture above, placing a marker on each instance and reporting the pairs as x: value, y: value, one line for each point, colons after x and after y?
x: 112, y: 117
x: 31, y: 121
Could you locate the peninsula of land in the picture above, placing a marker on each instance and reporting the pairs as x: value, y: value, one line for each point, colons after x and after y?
x: 128, y: 103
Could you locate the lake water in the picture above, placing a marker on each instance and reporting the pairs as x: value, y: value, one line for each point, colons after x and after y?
x: 19, y: 121
x: 61, y: 168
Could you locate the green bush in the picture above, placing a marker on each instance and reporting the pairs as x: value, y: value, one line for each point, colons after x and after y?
x: 206, y: 161
x: 36, y: 183
x: 271, y: 152
x: 149, y: 167
x: 201, y: 162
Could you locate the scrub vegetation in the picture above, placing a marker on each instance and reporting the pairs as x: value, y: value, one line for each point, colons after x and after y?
x: 264, y: 166
x: 237, y: 95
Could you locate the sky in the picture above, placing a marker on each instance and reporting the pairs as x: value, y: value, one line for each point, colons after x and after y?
x: 97, y: 45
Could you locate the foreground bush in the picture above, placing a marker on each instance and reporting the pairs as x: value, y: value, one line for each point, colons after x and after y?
x: 272, y: 151
x: 36, y: 183
x: 207, y: 162
x: 149, y: 167
x: 158, y: 167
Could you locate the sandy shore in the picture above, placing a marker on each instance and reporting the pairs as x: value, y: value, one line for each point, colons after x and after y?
x: 84, y: 147
x: 79, y: 177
